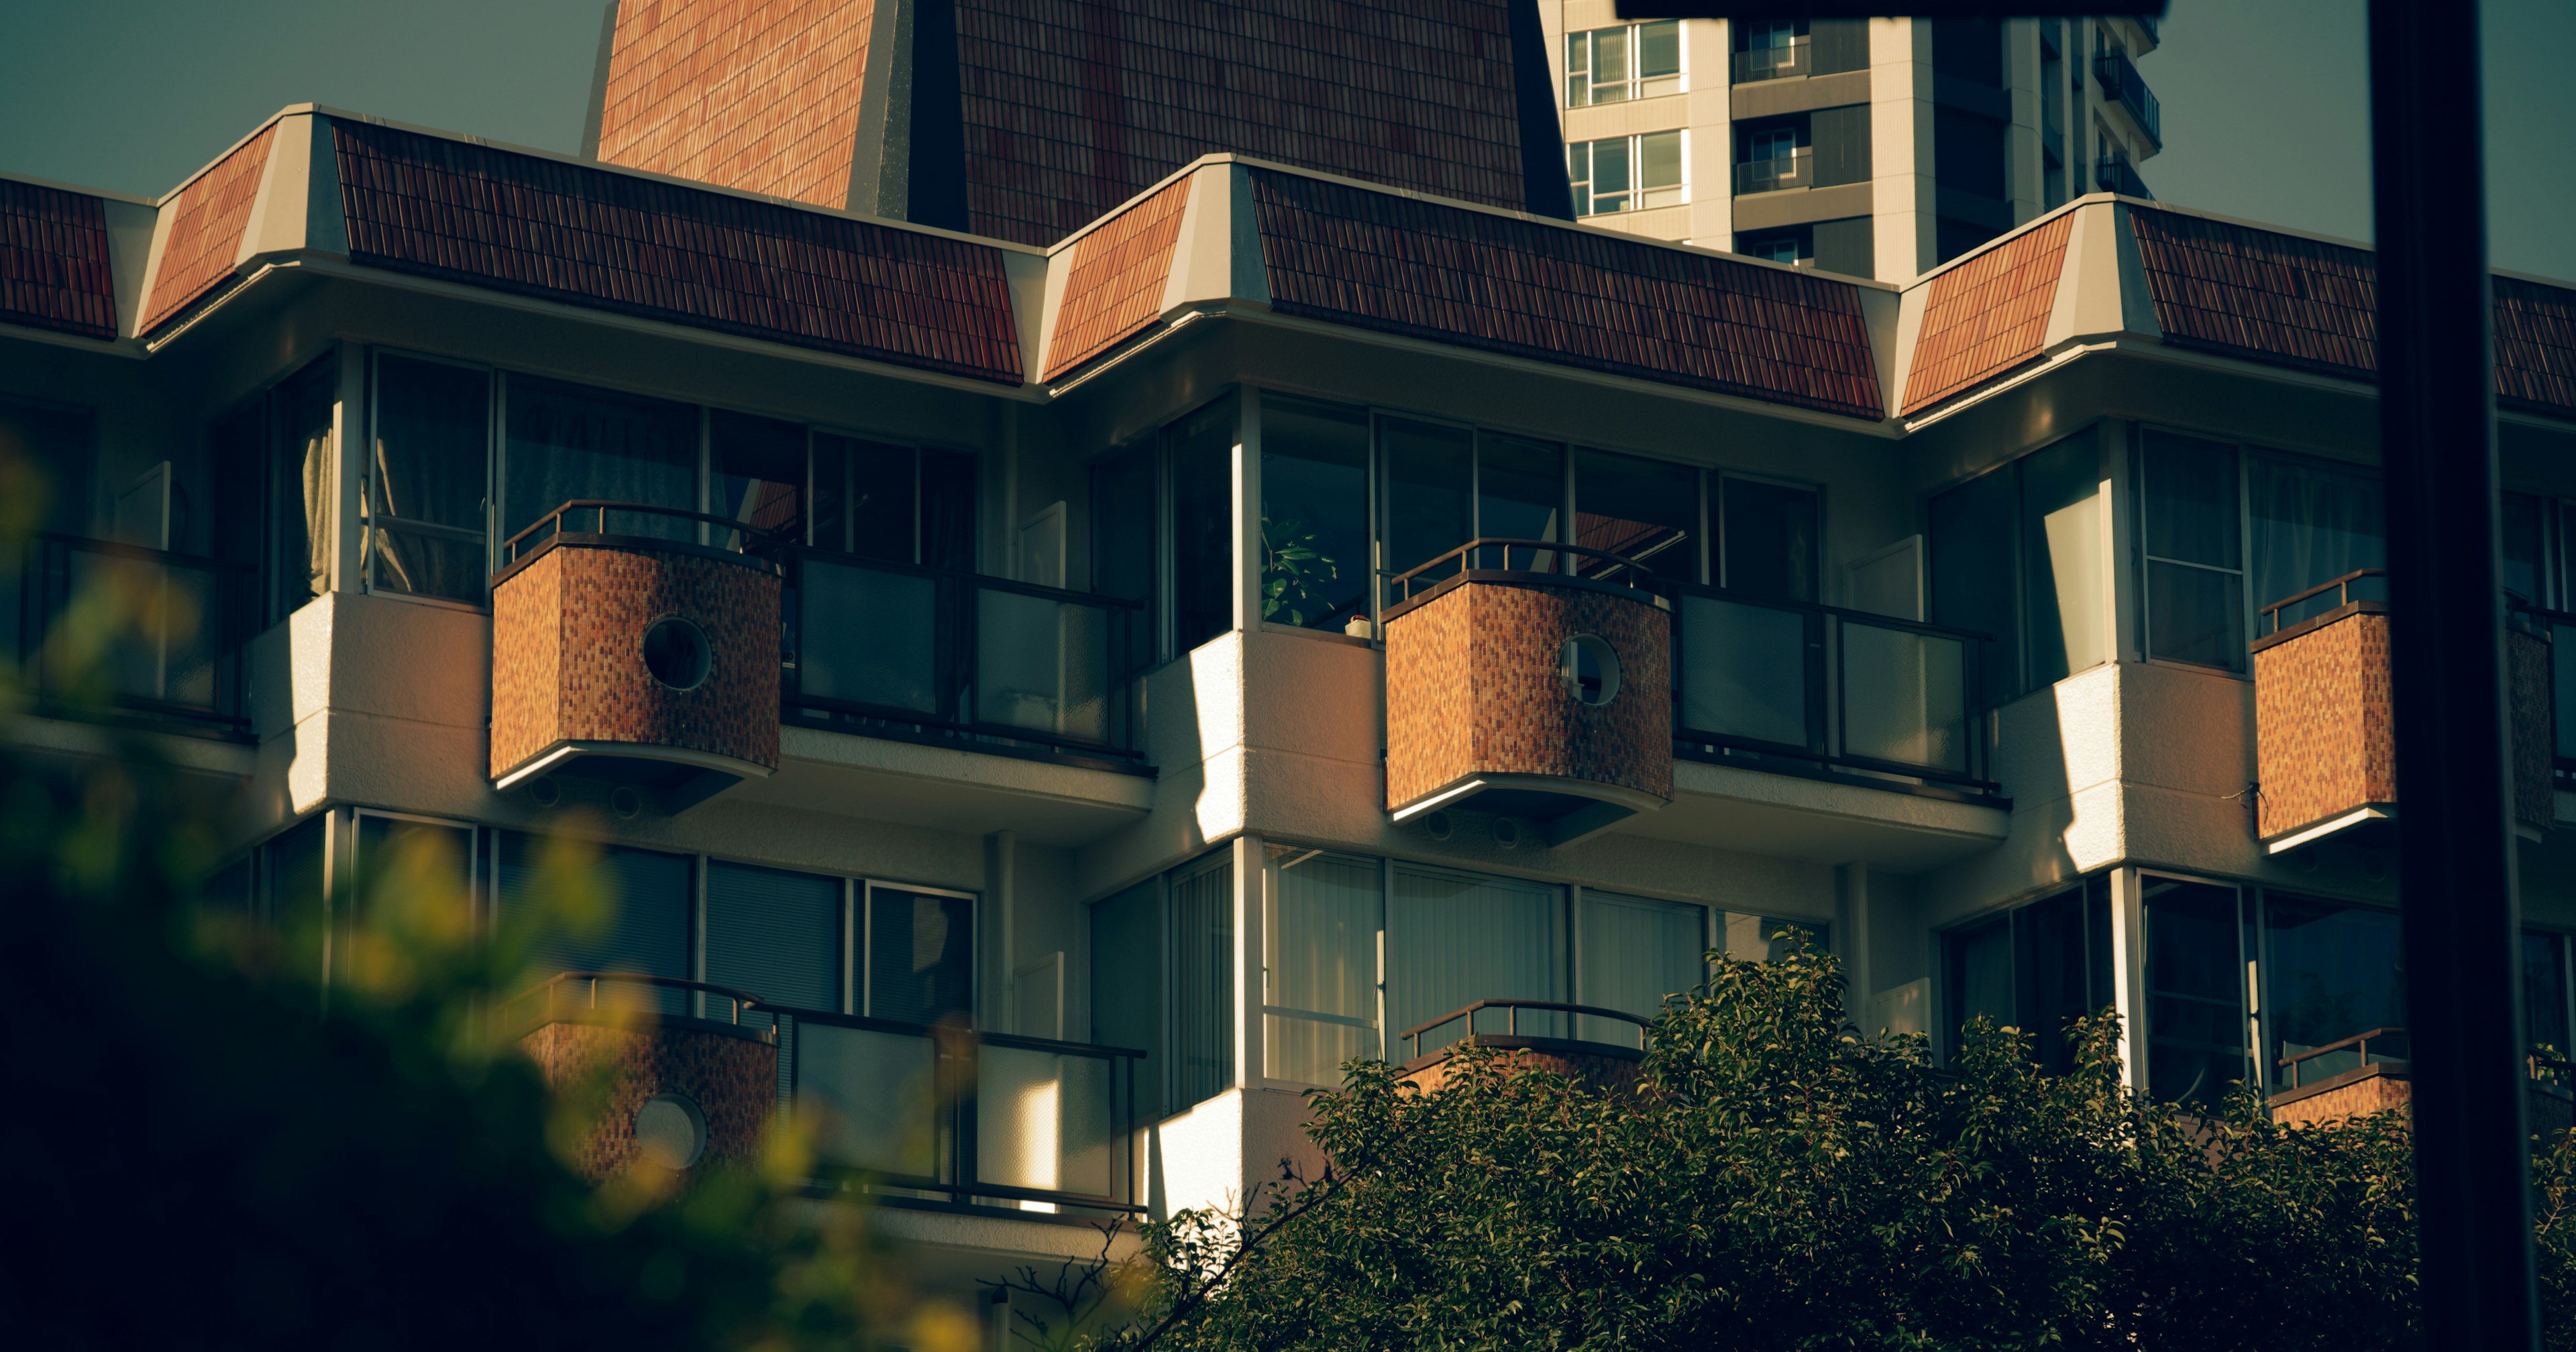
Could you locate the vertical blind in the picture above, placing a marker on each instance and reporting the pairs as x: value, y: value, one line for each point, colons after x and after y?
x: 1454, y: 939
x: 1320, y: 954
x: 1202, y: 968
x: 1636, y: 952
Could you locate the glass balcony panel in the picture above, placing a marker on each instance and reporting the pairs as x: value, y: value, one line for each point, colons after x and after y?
x: 1744, y: 670
x: 162, y: 621
x: 1042, y: 664
x: 1042, y: 1121
x: 868, y: 636
x: 871, y: 1096
x: 2562, y: 680
x: 1904, y: 697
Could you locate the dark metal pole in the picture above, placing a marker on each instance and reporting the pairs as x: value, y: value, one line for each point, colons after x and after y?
x: 2454, y: 819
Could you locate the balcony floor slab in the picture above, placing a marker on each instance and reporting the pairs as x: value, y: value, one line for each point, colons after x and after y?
x: 948, y: 789
x: 1786, y: 816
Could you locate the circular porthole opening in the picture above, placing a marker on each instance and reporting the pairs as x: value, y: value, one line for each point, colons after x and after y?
x: 670, y: 1131
x: 1437, y: 825
x: 1591, y: 669
x: 626, y: 802
x: 545, y: 792
x: 677, y: 653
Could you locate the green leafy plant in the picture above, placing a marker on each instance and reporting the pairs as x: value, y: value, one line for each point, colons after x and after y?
x: 1294, y: 569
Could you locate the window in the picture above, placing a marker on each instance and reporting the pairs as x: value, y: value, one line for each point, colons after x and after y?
x: 2036, y: 968
x: 303, y: 414
x: 1320, y: 976
x: 2039, y: 520
x: 2310, y: 525
x: 1201, y: 964
x: 1778, y: 246
x: 779, y: 935
x: 1647, y: 510
x: 428, y: 479
x: 52, y: 446
x: 1427, y: 486
x: 568, y: 442
x: 2330, y: 971
x: 1520, y: 495
x: 1626, y: 173
x: 1314, y: 514
x: 1202, y: 459
x: 1971, y: 560
x: 2525, y: 547
x: 1609, y: 65
x: 1770, y: 537
x: 2195, y: 568
x: 2544, y: 990
x: 759, y: 474
x: 1127, y: 984
x: 2196, y: 981
x: 921, y: 955
x: 898, y: 504
x: 640, y: 924
x: 1456, y: 938
x: 1124, y: 497
x: 1636, y: 953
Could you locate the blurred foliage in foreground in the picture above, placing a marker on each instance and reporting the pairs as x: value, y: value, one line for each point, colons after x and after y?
x: 1775, y: 1182
x: 210, y: 1147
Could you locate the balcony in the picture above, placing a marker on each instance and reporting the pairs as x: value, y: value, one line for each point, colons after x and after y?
x: 1597, y: 1046
x: 2325, y: 747
x: 2121, y: 86
x: 121, y: 629
x: 2113, y: 174
x: 1542, y: 692
x: 676, y: 1091
x: 1797, y: 170
x: 1772, y: 63
x: 890, y: 648
x: 972, y: 1116
x: 1826, y: 689
x: 2370, y: 1072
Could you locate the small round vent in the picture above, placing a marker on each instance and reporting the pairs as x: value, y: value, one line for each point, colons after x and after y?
x: 676, y: 651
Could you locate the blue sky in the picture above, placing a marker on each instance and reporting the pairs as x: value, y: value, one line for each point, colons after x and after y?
x: 2265, y: 105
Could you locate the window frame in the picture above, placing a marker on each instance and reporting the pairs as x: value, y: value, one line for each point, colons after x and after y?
x: 858, y: 940
x: 1634, y: 196
x: 1632, y: 39
x: 368, y: 545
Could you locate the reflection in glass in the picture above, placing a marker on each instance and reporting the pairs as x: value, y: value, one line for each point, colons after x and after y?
x: 1520, y: 494
x: 759, y: 479
x: 2311, y: 525
x: 2063, y: 560
x: 1645, y: 509
x: 921, y: 955
x: 2335, y: 972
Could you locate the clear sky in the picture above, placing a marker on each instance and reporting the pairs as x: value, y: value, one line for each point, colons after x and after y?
x: 2265, y: 106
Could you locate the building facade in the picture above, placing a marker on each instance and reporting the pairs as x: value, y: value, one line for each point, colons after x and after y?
x: 1872, y: 147
x: 1121, y: 678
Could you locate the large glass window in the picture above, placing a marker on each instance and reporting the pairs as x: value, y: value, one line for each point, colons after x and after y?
x: 302, y: 416
x: 1972, y: 575
x: 759, y: 477
x: 901, y: 504
x: 1127, y: 984
x: 1202, y: 458
x: 1520, y: 495
x: 1610, y: 65
x: 1770, y: 535
x: 2311, y: 525
x: 1636, y: 953
x: 2038, y: 968
x: 2333, y: 972
x: 1123, y: 493
x: 921, y: 955
x: 1427, y: 483
x: 1319, y: 949
x: 1314, y: 513
x: 1627, y: 173
x: 777, y: 935
x: 1456, y: 938
x: 46, y: 452
x: 2195, y: 565
x: 2544, y: 990
x: 569, y: 443
x: 1647, y: 510
x: 2524, y: 545
x: 2196, y: 978
x: 429, y: 478
x: 2064, y: 560
x: 1201, y: 963
x: 641, y: 926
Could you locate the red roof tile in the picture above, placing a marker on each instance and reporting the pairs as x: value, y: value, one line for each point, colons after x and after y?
x: 1116, y: 284
x: 1560, y: 294
x: 2259, y: 294
x: 1072, y: 109
x: 54, y: 270
x: 2535, y: 345
x: 611, y: 241
x: 761, y: 95
x: 212, y: 211
x: 1987, y: 315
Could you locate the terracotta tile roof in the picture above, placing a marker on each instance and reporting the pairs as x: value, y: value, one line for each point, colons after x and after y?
x: 1987, y: 315
x: 761, y: 95
x: 1072, y: 109
x: 206, y: 232
x: 584, y: 236
x: 2259, y: 294
x: 1116, y: 282
x: 54, y: 270
x: 1560, y: 294
x: 2535, y: 345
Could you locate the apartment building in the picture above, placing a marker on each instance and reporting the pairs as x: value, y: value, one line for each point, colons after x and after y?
x: 1116, y: 678
x: 1872, y: 147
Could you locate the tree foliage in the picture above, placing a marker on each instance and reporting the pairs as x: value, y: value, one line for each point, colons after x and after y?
x: 1773, y: 1180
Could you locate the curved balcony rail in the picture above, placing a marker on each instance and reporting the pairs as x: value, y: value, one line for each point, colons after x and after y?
x: 643, y: 521
x: 1493, y: 553
x: 959, y: 655
x: 579, y: 991
x: 1837, y: 689
x: 162, y: 636
x: 1772, y: 63
x: 2121, y: 85
x: 1795, y: 170
x: 1550, y: 1023
x: 974, y: 1116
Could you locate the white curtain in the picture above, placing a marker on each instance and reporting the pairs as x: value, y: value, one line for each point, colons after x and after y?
x: 1320, y: 947
x: 2311, y: 525
x: 1454, y: 939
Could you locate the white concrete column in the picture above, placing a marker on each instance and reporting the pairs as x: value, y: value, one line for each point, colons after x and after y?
x: 2129, y: 975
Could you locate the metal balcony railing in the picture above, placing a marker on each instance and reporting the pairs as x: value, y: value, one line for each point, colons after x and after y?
x: 1772, y: 63
x: 1831, y: 687
x: 1549, y: 1020
x: 578, y: 992
x: 137, y: 631
x: 642, y: 521
x: 2113, y: 174
x: 972, y: 1115
x: 2311, y: 1064
x: 2121, y: 85
x: 1798, y: 170
x: 1494, y: 553
x: 959, y: 653
x: 2359, y: 591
